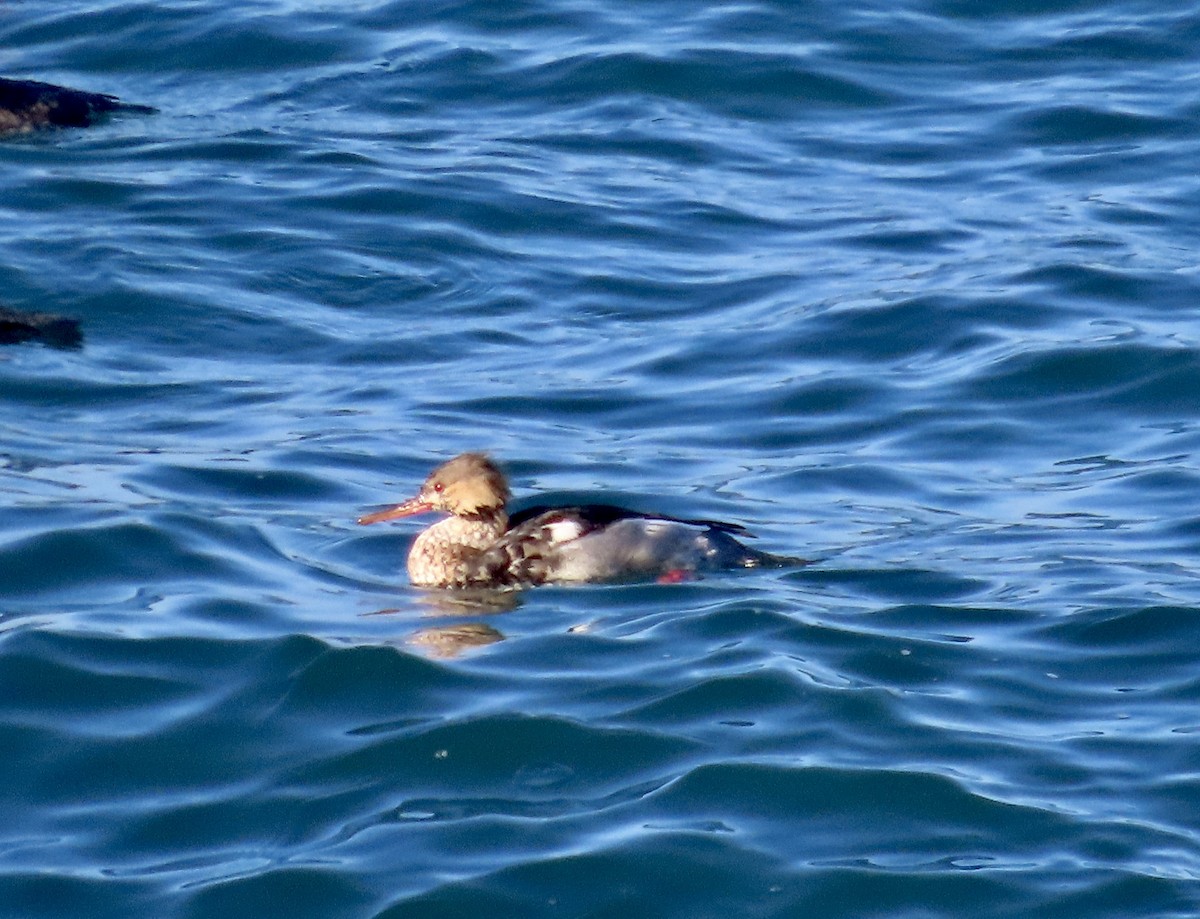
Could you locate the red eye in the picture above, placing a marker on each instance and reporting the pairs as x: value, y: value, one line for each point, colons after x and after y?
x: 438, y: 487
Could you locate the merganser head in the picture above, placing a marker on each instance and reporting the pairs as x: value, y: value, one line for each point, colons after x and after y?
x: 470, y: 485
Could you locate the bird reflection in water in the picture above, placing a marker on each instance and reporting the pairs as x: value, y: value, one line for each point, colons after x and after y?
x: 452, y: 639
x: 447, y: 641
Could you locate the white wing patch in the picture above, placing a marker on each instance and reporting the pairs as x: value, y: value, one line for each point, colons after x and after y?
x: 564, y: 530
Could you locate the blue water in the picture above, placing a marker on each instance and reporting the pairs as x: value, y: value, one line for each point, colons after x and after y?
x: 908, y: 288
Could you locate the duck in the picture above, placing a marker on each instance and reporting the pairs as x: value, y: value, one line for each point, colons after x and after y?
x: 481, y: 545
x: 18, y: 326
x: 28, y: 105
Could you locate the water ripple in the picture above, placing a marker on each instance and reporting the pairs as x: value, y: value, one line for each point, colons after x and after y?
x: 906, y: 289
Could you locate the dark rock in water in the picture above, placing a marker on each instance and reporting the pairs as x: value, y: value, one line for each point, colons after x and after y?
x: 57, y: 331
x: 26, y: 105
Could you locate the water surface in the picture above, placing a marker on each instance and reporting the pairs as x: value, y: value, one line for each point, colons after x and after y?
x: 907, y: 289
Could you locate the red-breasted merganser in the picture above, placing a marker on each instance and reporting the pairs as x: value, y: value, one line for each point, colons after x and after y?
x: 480, y: 545
x: 26, y: 105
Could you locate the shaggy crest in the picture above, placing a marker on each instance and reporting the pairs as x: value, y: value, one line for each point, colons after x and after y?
x: 469, y: 485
